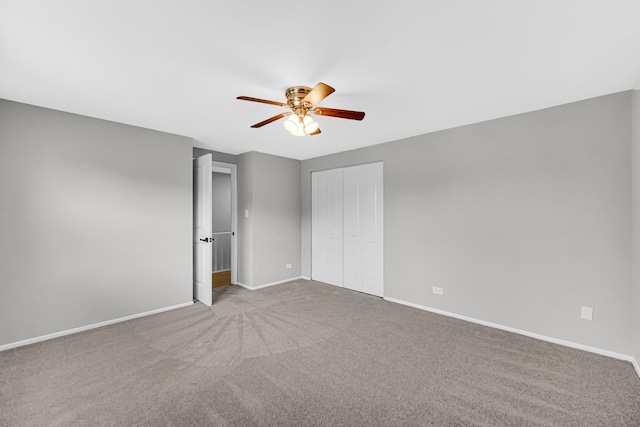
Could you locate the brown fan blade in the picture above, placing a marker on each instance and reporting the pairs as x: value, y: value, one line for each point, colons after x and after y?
x: 316, y: 132
x: 264, y: 101
x: 318, y: 93
x: 343, y: 114
x: 272, y: 119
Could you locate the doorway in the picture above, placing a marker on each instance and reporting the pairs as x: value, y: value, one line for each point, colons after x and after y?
x: 214, y: 226
x: 221, y: 226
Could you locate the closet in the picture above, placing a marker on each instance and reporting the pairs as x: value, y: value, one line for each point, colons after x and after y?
x: 347, y: 227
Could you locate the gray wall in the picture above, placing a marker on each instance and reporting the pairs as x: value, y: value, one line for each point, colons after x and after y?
x: 521, y: 220
x: 269, y: 187
x: 245, y: 225
x: 95, y: 219
x: 221, y: 209
x: 635, y: 279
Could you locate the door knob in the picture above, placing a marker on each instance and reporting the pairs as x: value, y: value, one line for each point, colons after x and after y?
x: 206, y: 239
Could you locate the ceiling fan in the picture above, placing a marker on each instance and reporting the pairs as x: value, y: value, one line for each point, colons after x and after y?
x: 301, y: 101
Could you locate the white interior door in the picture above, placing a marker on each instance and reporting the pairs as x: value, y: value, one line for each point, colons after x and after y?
x: 363, y: 228
x: 326, y: 226
x: 202, y: 205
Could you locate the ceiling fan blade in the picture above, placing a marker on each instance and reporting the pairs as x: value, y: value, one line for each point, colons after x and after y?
x: 316, y: 132
x: 343, y: 114
x: 269, y: 120
x: 264, y: 101
x: 318, y: 93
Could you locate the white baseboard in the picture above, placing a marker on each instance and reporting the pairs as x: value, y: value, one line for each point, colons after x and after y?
x: 636, y: 366
x: 266, y: 285
x: 305, y: 278
x: 88, y: 327
x: 596, y: 350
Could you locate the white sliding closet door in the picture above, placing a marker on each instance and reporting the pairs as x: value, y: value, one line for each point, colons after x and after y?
x: 326, y: 228
x: 363, y: 228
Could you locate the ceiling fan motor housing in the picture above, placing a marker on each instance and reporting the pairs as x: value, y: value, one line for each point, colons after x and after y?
x: 295, y: 95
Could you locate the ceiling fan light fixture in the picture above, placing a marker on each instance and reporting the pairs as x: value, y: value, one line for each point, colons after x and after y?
x: 294, y: 125
x: 310, y: 125
x: 291, y: 124
x: 299, y: 130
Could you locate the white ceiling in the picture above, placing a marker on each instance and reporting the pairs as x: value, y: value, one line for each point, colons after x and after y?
x: 413, y: 66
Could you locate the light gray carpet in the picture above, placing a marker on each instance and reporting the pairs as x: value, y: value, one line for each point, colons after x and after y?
x: 304, y: 354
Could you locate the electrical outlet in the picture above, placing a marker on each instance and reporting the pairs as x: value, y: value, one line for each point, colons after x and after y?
x: 288, y: 266
x: 586, y: 313
x: 246, y: 213
x: 437, y: 291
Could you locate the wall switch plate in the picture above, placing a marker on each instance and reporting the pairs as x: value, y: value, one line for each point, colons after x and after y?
x: 288, y: 266
x: 586, y: 313
x: 437, y: 291
x: 246, y: 213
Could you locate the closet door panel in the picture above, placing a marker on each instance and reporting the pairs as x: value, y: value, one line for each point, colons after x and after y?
x: 363, y: 228
x: 326, y: 226
x: 371, y: 212
x: 369, y: 262
x: 352, y: 264
x: 352, y: 229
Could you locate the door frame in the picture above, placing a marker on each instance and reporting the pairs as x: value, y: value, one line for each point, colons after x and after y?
x: 233, y: 170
